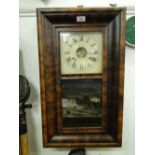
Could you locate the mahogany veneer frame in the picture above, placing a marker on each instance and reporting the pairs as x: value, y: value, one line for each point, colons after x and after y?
x: 50, y: 23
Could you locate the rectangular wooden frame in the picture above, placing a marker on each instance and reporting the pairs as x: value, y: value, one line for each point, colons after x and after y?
x: 60, y: 77
x: 51, y: 20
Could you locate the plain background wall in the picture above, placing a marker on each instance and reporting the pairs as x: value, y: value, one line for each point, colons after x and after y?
x: 29, y: 67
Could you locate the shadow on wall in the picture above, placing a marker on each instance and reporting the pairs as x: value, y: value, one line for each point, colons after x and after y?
x: 21, y: 66
x: 30, y: 112
x: 33, y: 95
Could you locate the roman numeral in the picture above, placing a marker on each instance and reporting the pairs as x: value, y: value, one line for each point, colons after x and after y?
x: 66, y: 53
x: 81, y: 38
x: 74, y: 40
x: 95, y: 52
x: 81, y: 67
x: 67, y: 42
x: 68, y: 59
x: 74, y: 62
x: 93, y: 44
x: 92, y: 59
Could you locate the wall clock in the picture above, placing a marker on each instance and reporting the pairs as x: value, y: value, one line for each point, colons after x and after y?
x: 81, y: 54
x: 130, y: 31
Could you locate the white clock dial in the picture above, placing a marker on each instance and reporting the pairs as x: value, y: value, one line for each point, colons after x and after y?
x: 81, y: 52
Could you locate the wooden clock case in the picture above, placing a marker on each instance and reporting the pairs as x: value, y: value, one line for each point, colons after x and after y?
x: 111, y: 22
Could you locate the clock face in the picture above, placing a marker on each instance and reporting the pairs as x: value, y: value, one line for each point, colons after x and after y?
x: 81, y: 52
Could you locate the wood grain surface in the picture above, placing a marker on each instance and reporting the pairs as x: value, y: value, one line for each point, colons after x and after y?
x: 109, y: 21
